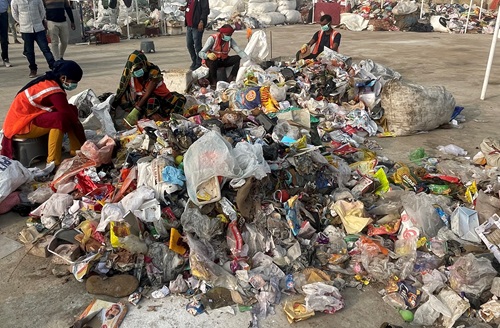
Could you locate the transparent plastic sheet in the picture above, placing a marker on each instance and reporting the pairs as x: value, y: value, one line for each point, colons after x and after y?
x: 40, y: 195
x: 471, y: 275
x: 421, y: 208
x: 203, y: 267
x: 323, y: 297
x: 284, y: 129
x: 169, y: 263
x: 136, y: 198
x: 255, y: 240
x: 433, y: 281
x: 100, y: 152
x: 204, y: 227
x: 462, y: 170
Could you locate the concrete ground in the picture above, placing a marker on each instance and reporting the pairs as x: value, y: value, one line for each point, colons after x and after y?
x: 33, y: 297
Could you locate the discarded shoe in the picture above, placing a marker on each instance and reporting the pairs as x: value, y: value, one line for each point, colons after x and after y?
x: 132, y: 117
x: 115, y: 286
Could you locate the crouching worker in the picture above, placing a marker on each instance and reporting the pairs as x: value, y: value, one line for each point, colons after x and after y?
x: 41, y: 107
x: 216, y: 54
x: 326, y: 37
x: 142, y: 91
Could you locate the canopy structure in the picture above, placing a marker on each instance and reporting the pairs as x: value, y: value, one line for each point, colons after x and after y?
x: 490, y: 58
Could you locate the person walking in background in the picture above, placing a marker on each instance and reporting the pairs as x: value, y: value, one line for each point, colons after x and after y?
x: 4, y: 31
x: 12, y: 27
x: 30, y: 14
x: 196, y: 15
x: 57, y: 25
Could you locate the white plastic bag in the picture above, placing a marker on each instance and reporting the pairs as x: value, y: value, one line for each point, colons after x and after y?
x: 286, y: 5
x: 439, y: 24
x: 260, y: 8
x: 271, y: 18
x: 257, y: 48
x: 452, y: 150
x: 404, y: 7
x: 12, y: 175
x: 292, y: 16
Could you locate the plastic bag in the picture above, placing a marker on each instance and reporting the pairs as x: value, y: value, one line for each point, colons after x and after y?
x: 292, y: 16
x: 203, y: 267
x: 12, y: 175
x: 471, y: 275
x: 250, y: 160
x: 100, y: 118
x: 170, y: 263
x: 257, y: 48
x: 55, y: 206
x: 353, y: 22
x: 420, y: 207
x: 323, y: 297
x: 84, y: 101
x: 404, y: 7
x: 40, y: 195
x: 452, y: 150
x: 439, y: 24
x: 208, y: 158
x: 178, y: 286
x: 69, y: 168
x: 101, y: 152
x: 194, y: 221
x: 271, y: 18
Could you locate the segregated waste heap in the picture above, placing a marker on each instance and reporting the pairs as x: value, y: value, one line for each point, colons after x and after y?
x: 269, y: 187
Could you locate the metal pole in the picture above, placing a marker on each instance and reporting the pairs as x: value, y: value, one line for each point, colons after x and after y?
x: 137, y: 10
x: 468, y: 15
x: 490, y: 58
x: 421, y: 9
x: 271, y: 42
x: 481, y: 9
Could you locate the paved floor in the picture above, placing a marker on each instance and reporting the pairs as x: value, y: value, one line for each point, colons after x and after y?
x: 33, y: 297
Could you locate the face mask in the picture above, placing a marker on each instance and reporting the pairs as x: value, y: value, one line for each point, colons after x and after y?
x: 325, y: 28
x: 69, y: 86
x: 138, y: 73
x: 226, y: 38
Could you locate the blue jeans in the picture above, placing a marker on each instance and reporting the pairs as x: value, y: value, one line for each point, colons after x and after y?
x: 4, y: 35
x: 29, y: 48
x: 193, y: 40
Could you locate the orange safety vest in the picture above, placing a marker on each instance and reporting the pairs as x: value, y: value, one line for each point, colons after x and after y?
x: 161, y: 89
x: 220, y: 47
x: 320, y: 36
x: 27, y: 105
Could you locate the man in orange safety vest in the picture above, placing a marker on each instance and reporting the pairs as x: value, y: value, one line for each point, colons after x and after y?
x: 326, y: 37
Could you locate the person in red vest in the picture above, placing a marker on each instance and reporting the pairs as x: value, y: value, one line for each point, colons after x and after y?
x: 326, y: 37
x: 41, y: 108
x: 216, y: 54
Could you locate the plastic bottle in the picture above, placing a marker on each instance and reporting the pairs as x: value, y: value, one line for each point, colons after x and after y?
x: 452, y: 150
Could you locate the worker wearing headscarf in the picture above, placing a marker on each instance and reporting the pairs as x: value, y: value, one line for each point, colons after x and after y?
x: 216, y: 53
x: 41, y: 107
x: 142, y: 91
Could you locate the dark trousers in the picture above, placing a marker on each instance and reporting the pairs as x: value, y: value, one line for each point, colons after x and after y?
x: 29, y: 48
x: 193, y: 41
x: 214, y: 65
x: 4, y: 35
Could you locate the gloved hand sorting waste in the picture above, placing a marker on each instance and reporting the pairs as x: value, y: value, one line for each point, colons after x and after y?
x: 212, y: 56
x: 304, y: 48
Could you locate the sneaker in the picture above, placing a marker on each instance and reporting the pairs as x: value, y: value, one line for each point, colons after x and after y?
x: 132, y: 117
x: 32, y: 73
x: 7, y: 63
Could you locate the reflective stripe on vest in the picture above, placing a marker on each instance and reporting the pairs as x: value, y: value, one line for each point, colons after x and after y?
x: 221, y: 51
x: 32, y: 98
x: 320, y: 36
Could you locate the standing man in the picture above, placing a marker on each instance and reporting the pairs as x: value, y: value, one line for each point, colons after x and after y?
x: 196, y: 15
x: 57, y: 25
x: 4, y: 31
x: 326, y: 37
x: 216, y: 54
x: 30, y: 14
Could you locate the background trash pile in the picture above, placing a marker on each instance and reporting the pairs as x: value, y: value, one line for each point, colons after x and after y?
x: 410, y: 16
x: 268, y: 188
